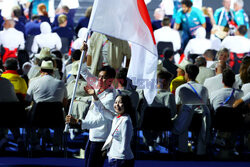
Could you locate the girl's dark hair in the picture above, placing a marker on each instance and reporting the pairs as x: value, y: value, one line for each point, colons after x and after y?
x: 128, y: 109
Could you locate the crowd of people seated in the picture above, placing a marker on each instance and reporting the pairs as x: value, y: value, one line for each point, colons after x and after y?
x: 200, y: 70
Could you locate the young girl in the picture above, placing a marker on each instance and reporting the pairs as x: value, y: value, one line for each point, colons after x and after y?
x: 119, y: 153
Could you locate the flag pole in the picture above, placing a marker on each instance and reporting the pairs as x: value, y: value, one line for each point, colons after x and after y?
x: 83, y: 54
x: 92, y: 17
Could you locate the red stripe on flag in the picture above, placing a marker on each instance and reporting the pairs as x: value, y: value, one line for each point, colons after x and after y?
x: 145, y: 16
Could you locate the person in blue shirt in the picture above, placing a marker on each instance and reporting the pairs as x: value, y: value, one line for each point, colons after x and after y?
x: 70, y: 21
x: 84, y: 21
x: 241, y: 17
x: 42, y: 13
x: 190, y: 18
x: 19, y: 19
x: 62, y: 30
x: 33, y: 27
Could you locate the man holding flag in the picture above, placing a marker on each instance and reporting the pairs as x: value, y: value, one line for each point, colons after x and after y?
x: 131, y: 22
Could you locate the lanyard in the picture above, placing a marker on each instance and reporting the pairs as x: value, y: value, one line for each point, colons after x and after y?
x: 228, y: 98
x: 195, y: 92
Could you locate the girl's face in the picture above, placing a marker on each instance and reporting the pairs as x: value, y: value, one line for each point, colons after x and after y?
x: 118, y: 105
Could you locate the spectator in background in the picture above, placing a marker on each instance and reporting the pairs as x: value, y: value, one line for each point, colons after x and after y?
x: 72, y: 4
x: 20, y: 20
x: 209, y: 16
x: 42, y: 13
x: 210, y: 82
x: 82, y: 36
x: 7, y: 90
x: 11, y: 39
x: 40, y: 91
x: 46, y: 39
x: 226, y: 95
x: 11, y: 74
x: 238, y: 46
x: 221, y: 55
x: 191, y: 98
x: 81, y: 105
x: 158, y: 17
x: 33, y: 4
x: 64, y: 10
x: 168, y: 62
x: 76, y: 55
x: 241, y: 16
x: 33, y: 26
x: 204, y: 72
x: 225, y: 16
x: 209, y: 56
x: 191, y: 19
x: 106, y: 50
x: 245, y: 75
x: 199, y: 44
x: 8, y: 95
x: 167, y: 34
x: 84, y: 21
x: 163, y: 99
x: 180, y: 79
x: 62, y: 30
x: 237, y: 43
x: 35, y: 69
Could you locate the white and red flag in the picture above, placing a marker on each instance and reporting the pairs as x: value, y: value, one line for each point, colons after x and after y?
x: 129, y: 20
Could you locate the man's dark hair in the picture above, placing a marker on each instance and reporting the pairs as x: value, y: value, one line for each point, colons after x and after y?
x: 168, y: 52
x: 201, y: 61
x: 192, y: 70
x: 228, y: 77
x: 11, y: 64
x: 50, y: 72
x: 188, y: 3
x: 57, y: 53
x: 166, y: 21
x: 110, y: 72
x: 65, y: 8
x: 17, y: 12
x: 242, y: 30
x: 76, y: 55
x: 35, y: 17
x: 122, y: 75
x: 167, y: 76
x: 209, y: 54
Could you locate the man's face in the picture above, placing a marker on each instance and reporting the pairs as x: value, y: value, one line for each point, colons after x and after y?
x: 160, y: 83
x: 102, y: 79
x: 226, y: 4
x: 236, y: 7
x: 184, y: 8
x: 180, y: 72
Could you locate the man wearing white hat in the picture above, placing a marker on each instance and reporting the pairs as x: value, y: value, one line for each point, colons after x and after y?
x: 56, y: 90
x: 40, y: 91
x: 35, y: 69
x: 180, y: 79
